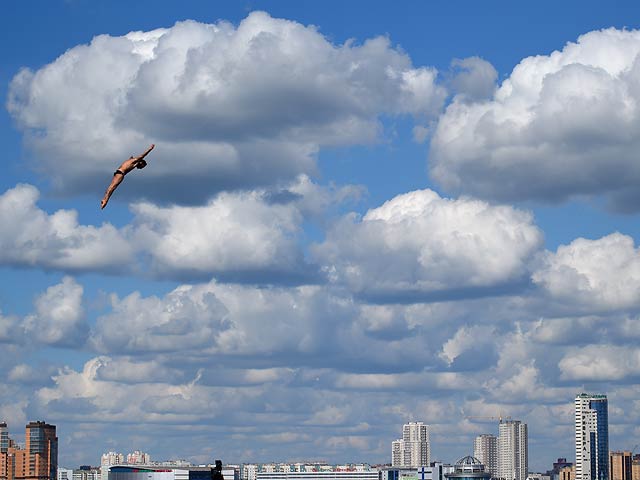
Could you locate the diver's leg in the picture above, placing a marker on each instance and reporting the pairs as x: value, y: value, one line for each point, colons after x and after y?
x: 115, y: 181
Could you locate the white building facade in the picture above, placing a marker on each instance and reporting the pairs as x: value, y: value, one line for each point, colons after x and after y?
x: 369, y: 474
x: 249, y: 471
x: 513, y: 450
x: 65, y: 474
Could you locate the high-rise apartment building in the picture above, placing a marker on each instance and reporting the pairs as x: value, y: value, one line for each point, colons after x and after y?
x: 42, y: 451
x: 620, y: 466
x: 414, y: 449
x: 37, y: 461
x: 592, y: 437
x: 513, y: 450
x: 416, y: 443
x: 485, y: 449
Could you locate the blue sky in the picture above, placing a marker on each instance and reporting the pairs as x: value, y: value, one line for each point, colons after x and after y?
x: 357, y: 214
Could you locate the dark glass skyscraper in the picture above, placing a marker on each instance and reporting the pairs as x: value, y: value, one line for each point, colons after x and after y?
x: 4, y: 438
x: 592, y: 437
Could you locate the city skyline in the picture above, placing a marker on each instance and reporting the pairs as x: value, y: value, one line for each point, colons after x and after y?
x: 356, y: 215
x: 504, y: 456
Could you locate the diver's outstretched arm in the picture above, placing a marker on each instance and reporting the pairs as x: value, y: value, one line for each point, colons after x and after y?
x: 151, y: 147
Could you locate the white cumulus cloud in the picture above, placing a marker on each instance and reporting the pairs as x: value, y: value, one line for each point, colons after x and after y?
x: 561, y: 125
x: 31, y: 237
x: 601, y: 363
x: 603, y: 274
x: 421, y: 244
x: 59, y: 318
x: 241, y: 235
x: 220, y: 319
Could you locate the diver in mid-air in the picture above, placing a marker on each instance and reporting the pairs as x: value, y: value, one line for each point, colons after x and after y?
x: 124, y: 168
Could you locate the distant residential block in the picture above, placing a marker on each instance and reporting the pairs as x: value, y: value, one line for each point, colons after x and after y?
x: 414, y: 449
x: 485, y: 449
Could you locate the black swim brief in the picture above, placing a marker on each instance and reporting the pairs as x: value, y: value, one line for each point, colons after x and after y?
x: 118, y: 172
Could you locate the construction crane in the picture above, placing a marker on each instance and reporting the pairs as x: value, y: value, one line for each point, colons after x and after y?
x: 500, y: 417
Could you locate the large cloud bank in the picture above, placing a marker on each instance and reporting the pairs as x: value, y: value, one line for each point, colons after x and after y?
x: 231, y: 106
x: 562, y: 125
x: 241, y: 236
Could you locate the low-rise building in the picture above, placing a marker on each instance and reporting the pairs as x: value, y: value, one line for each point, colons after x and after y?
x: 65, y: 474
x: 88, y: 473
x: 435, y: 471
x: 620, y: 466
x: 568, y: 473
x: 158, y: 472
